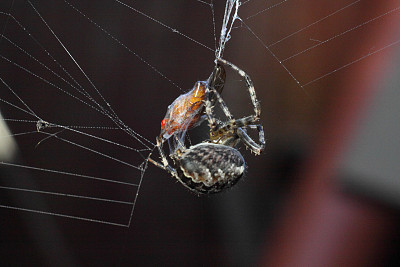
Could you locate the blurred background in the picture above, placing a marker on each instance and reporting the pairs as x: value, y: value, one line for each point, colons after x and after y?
x: 325, y: 192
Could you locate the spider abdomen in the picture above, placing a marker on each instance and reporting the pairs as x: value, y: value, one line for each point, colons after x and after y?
x: 208, y: 168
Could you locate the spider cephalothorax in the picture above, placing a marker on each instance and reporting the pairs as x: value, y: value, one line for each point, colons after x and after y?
x: 215, y: 164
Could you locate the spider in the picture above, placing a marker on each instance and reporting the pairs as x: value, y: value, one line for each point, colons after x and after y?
x: 215, y: 164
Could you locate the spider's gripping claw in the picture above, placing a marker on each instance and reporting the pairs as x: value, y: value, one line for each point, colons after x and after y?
x: 208, y: 168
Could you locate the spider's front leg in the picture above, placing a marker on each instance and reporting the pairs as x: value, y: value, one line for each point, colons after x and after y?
x: 215, y: 85
x: 208, y: 110
x: 165, y: 164
x: 249, y: 85
x: 211, y: 96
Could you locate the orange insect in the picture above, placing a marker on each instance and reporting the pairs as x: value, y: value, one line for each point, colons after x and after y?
x: 187, y: 111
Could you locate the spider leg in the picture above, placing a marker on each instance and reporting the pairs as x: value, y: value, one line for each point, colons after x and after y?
x: 159, y: 165
x: 249, y: 84
x: 261, y: 136
x: 217, y: 78
x: 249, y: 142
x: 165, y: 165
x: 241, y: 124
x: 213, y: 122
x: 224, y: 107
x: 208, y: 109
x: 179, y: 142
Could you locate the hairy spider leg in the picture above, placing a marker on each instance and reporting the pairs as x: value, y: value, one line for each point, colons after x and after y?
x: 224, y: 134
x: 252, y: 92
x: 165, y: 165
x: 218, y: 131
x: 261, y: 136
x: 249, y: 142
x: 224, y: 107
x: 217, y: 78
x: 209, y: 106
x: 249, y: 85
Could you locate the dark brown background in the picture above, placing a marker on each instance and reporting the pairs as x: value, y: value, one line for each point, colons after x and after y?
x: 259, y: 220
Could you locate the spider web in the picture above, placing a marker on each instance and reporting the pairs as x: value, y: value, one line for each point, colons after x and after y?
x: 81, y: 89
